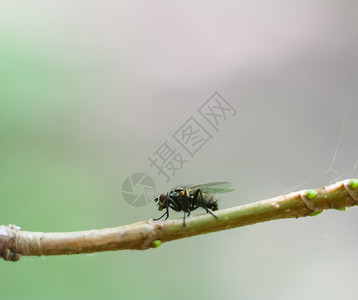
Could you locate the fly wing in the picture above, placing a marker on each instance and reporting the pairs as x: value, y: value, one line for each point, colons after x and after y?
x: 211, y: 188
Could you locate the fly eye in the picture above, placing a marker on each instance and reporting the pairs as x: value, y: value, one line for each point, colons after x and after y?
x: 162, y: 197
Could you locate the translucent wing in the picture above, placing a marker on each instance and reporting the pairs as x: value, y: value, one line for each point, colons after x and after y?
x: 211, y: 188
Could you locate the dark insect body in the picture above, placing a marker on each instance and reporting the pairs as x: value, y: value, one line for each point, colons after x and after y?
x: 190, y: 198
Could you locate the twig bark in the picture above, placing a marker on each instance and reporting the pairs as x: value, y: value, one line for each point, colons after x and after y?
x: 149, y: 234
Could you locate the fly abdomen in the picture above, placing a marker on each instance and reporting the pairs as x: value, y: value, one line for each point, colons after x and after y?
x: 206, y: 200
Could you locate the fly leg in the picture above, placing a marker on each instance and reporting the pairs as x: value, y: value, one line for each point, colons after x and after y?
x: 208, y: 210
x: 193, y: 205
x: 169, y: 203
x: 166, y: 211
x: 173, y: 204
x: 176, y: 207
x: 186, y: 208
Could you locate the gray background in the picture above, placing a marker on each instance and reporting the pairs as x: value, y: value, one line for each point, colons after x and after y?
x: 91, y: 89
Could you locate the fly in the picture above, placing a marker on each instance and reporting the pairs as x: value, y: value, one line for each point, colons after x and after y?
x: 189, y: 198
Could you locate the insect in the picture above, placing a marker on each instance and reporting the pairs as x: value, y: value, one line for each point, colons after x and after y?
x: 189, y: 198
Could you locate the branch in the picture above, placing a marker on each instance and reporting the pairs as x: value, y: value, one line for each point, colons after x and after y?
x: 150, y: 234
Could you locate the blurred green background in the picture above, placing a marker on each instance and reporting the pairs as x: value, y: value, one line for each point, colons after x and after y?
x: 89, y: 90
